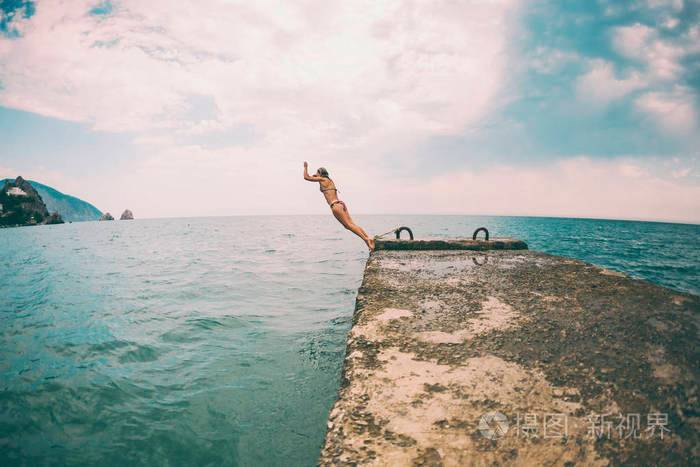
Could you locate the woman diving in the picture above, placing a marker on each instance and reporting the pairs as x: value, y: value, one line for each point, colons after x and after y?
x: 338, y: 208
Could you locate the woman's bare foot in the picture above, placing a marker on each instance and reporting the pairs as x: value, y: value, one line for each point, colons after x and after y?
x: 370, y: 244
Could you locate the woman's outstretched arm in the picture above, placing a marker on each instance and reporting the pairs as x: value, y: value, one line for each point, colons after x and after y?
x: 311, y: 178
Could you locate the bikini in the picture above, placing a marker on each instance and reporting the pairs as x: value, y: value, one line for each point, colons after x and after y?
x: 337, y: 201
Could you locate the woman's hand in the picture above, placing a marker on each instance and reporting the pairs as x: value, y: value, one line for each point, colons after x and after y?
x: 306, y: 165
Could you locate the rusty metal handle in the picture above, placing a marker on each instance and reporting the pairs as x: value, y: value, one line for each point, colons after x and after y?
x: 401, y: 229
x: 476, y: 232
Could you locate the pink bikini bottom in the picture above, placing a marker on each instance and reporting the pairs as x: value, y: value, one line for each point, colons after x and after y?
x: 345, y: 208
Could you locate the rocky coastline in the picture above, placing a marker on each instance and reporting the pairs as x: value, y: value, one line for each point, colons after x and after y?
x: 21, y: 205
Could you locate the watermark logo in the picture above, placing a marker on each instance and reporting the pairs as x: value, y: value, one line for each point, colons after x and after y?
x: 493, y: 425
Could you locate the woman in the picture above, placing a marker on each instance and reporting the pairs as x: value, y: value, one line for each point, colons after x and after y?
x: 340, y: 211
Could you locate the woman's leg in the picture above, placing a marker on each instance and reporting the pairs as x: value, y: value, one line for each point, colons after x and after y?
x: 341, y: 213
x: 361, y: 229
x: 370, y: 240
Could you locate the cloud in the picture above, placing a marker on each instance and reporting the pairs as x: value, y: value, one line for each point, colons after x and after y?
x: 346, y: 74
x: 630, y: 41
x: 618, y: 189
x: 676, y: 5
x: 602, y: 86
x: 628, y: 188
x: 13, y: 16
x: 672, y: 110
x: 547, y: 60
x: 41, y: 174
x: 642, y: 43
x: 221, y: 92
x: 666, y: 66
x: 433, y: 97
x: 681, y: 173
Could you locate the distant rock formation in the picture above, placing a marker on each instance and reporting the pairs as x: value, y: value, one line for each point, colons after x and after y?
x: 71, y: 208
x: 106, y: 217
x: 21, y: 204
x: 127, y: 216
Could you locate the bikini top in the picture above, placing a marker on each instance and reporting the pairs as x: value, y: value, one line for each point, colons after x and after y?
x: 328, y: 189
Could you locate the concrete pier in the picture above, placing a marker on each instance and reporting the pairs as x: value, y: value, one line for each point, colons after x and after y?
x: 455, y: 244
x: 515, y: 357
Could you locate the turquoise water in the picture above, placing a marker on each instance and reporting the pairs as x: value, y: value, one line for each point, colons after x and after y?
x: 219, y: 341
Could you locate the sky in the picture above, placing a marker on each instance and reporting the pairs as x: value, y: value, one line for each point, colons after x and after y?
x: 504, y: 107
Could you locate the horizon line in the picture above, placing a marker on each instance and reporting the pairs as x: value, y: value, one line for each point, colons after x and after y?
x: 653, y: 221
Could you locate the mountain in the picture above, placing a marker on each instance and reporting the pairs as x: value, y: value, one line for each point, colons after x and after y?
x: 21, y: 204
x: 69, y: 207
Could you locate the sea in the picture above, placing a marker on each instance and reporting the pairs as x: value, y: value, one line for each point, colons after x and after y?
x: 220, y: 341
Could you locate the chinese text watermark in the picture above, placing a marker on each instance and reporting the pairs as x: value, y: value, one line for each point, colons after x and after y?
x: 494, y: 425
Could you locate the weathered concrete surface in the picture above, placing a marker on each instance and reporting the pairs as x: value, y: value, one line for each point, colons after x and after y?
x: 438, y: 341
x: 452, y: 244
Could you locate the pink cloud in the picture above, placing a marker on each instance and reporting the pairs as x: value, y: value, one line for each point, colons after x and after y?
x: 422, y: 68
x: 581, y: 187
x: 602, y: 86
x: 672, y: 110
x: 643, y: 43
